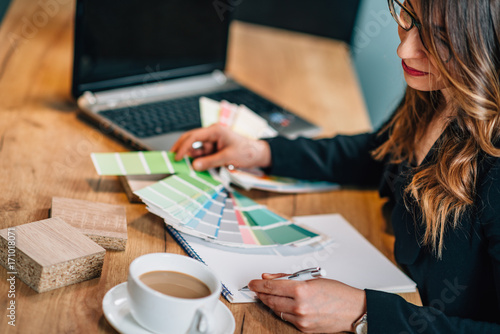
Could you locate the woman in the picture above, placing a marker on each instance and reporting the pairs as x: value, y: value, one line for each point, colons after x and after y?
x: 437, y: 159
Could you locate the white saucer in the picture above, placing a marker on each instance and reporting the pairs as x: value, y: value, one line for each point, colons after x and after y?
x: 116, y: 310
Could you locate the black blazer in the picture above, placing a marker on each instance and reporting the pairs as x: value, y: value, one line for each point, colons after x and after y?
x: 461, y: 291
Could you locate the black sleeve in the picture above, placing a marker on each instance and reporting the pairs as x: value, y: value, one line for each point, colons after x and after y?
x: 490, y: 218
x: 388, y: 313
x: 343, y: 159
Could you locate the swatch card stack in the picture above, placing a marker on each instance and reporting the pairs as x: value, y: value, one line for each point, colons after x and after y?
x: 197, y: 204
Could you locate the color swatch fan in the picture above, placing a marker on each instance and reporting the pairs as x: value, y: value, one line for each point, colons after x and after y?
x: 247, y: 123
x: 238, y: 118
x: 197, y: 204
x: 161, y: 162
x: 254, y: 178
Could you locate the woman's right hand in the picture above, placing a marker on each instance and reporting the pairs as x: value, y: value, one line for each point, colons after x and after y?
x: 222, y: 147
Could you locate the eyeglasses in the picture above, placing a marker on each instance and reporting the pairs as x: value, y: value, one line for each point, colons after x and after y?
x: 407, y: 20
x: 404, y: 17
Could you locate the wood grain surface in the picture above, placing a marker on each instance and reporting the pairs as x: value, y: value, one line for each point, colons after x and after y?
x: 44, y: 152
x: 106, y: 224
x: 49, y: 254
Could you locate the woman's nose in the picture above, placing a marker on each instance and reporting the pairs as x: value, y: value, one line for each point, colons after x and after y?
x: 411, y: 44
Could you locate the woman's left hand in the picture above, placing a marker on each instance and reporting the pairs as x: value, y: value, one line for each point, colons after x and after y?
x: 318, y: 305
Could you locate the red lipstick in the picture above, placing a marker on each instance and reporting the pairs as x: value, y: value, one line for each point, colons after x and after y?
x: 411, y: 71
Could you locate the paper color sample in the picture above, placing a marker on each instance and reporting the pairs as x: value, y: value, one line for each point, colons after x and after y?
x: 198, y: 205
x: 228, y: 112
x: 140, y: 163
x: 239, y: 118
x: 209, y: 111
x: 256, y: 179
x: 248, y: 123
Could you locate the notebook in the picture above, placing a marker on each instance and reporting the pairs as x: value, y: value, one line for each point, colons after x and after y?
x: 347, y: 257
x: 140, y: 67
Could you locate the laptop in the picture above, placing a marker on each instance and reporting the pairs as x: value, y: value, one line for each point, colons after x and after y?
x: 140, y: 67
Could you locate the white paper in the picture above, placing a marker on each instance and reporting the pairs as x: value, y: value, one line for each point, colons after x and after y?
x: 249, y: 124
x: 209, y: 111
x: 350, y: 258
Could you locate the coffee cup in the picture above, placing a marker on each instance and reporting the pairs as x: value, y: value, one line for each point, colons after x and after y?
x: 166, y: 312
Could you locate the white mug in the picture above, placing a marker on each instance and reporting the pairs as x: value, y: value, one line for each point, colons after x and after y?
x: 161, y: 313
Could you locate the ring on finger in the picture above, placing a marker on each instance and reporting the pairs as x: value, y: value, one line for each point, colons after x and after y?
x: 281, y: 316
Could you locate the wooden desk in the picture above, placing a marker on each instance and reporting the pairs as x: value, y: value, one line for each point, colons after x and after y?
x: 44, y: 152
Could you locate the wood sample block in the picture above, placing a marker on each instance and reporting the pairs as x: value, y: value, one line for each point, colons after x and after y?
x: 106, y: 224
x: 131, y: 183
x: 49, y: 254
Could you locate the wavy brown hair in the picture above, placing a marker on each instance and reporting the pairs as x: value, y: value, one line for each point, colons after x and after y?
x: 466, y: 48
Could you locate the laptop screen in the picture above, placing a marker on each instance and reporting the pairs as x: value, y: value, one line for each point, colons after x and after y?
x: 130, y: 42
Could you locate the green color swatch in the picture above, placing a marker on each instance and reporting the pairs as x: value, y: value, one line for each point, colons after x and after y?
x: 181, y: 186
x: 132, y: 163
x: 243, y: 201
x: 155, y: 198
x: 264, y: 217
x: 163, y: 189
x: 205, y: 176
x: 140, y: 163
x: 263, y: 238
x: 180, y: 167
x: 304, y: 231
x: 285, y: 234
x: 195, y: 182
x: 106, y: 164
x: 249, y: 219
x: 156, y: 163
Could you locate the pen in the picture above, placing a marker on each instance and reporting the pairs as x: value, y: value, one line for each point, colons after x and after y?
x: 302, y: 275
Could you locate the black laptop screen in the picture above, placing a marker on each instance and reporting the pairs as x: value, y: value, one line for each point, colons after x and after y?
x: 130, y: 42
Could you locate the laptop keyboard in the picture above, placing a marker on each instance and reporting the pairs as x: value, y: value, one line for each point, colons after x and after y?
x: 181, y: 114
